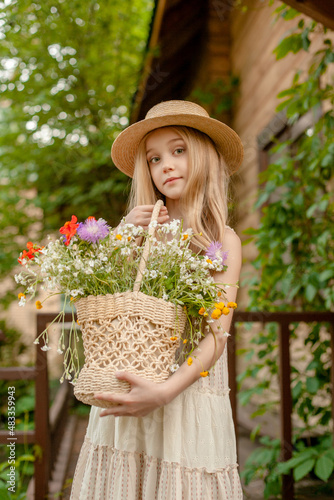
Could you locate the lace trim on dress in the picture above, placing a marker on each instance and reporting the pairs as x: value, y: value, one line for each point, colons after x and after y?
x: 209, y: 390
x: 124, y: 453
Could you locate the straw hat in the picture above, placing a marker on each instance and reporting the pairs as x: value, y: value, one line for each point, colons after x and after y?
x: 169, y: 113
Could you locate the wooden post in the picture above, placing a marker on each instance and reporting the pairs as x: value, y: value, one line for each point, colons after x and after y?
x: 232, y: 371
x: 286, y: 406
x: 331, y: 331
x: 42, y: 425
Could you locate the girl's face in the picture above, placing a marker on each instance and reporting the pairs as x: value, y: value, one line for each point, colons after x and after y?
x: 167, y: 157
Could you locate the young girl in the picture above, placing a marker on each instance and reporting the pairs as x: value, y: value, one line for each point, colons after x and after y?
x: 174, y: 440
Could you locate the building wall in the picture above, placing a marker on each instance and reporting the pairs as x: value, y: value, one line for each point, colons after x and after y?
x: 254, y: 35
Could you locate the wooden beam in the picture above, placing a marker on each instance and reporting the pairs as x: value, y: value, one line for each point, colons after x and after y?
x: 153, y: 44
x: 320, y: 10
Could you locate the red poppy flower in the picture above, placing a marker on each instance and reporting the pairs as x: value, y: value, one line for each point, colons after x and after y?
x: 30, y: 255
x: 69, y: 229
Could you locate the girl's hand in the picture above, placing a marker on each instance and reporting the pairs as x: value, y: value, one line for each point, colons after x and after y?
x: 144, y: 397
x: 141, y: 215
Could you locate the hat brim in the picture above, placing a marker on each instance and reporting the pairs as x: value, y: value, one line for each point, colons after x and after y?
x: 228, y: 143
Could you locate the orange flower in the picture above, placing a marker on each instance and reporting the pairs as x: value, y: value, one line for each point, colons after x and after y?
x: 118, y: 237
x: 232, y: 305
x: 216, y: 313
x: 21, y: 296
x: 226, y: 311
x: 204, y: 373
x: 201, y: 311
x: 173, y: 338
x: 69, y: 229
x: 219, y: 294
x: 38, y: 304
x: 220, y: 305
x: 185, y: 341
x: 190, y: 361
x: 209, y: 261
x: 185, y: 236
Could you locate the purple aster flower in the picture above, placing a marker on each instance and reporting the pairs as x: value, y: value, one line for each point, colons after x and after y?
x: 215, y: 252
x: 93, y: 230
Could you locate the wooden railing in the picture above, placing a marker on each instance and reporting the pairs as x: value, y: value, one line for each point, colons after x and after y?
x: 49, y: 423
x: 284, y: 319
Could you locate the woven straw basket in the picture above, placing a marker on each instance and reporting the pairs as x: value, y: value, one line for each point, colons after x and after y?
x: 127, y: 331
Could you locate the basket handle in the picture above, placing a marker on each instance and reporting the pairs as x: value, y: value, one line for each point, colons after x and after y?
x: 146, y: 251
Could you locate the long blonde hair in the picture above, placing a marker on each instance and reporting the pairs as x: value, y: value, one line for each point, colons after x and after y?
x: 205, y: 198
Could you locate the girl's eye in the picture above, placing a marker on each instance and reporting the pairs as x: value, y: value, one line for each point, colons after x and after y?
x: 179, y: 151
x: 155, y: 159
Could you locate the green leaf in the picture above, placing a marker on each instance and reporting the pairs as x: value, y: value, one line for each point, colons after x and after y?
x: 310, y: 292
x: 259, y: 411
x: 255, y: 432
x: 324, y: 467
x: 292, y: 43
x: 325, y: 275
x: 296, y: 390
x: 303, y: 469
x: 312, y: 384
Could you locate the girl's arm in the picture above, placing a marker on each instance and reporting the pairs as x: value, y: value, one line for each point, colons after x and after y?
x: 212, y: 346
x: 146, y: 396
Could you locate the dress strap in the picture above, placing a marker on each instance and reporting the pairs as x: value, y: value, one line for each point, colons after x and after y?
x: 230, y: 228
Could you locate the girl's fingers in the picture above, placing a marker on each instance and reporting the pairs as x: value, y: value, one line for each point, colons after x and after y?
x: 115, y: 412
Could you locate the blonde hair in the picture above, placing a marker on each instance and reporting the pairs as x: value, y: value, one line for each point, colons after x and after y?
x: 204, y: 201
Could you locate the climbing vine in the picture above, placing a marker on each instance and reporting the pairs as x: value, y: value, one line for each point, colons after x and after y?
x: 295, y: 264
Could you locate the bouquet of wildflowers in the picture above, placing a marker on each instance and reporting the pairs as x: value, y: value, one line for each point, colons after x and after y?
x: 92, y: 259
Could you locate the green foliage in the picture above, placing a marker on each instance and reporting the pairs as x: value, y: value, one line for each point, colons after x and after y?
x: 319, y: 458
x: 68, y: 74
x: 11, y: 347
x: 219, y: 96
x: 262, y: 463
x: 24, y: 454
x: 295, y: 262
x: 23, y: 473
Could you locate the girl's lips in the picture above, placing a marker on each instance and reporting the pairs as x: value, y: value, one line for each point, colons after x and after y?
x: 171, y: 179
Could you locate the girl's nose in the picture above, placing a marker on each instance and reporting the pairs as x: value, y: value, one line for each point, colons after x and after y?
x: 168, y: 166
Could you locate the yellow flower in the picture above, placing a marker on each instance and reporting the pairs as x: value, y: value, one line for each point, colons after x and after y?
x: 38, y: 304
x: 216, y: 313
x: 226, y: 311
x: 173, y: 338
x: 119, y: 236
x: 185, y: 236
x: 185, y: 341
x: 201, y: 311
x: 21, y: 296
x: 190, y: 361
x: 232, y: 305
x: 220, y: 305
x: 204, y: 373
x: 209, y: 261
x: 206, y: 314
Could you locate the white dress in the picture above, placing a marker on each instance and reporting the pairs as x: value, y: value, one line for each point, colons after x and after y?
x: 185, y: 450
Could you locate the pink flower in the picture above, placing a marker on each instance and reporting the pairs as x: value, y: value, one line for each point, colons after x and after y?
x: 215, y: 252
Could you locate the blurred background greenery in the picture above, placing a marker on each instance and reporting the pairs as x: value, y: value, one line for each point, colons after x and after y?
x: 68, y: 73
